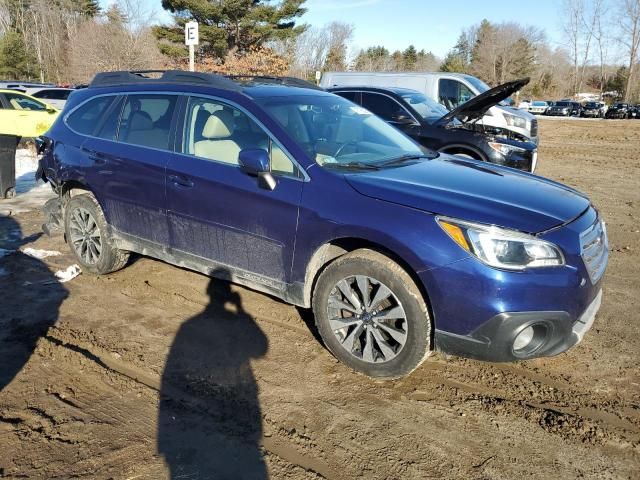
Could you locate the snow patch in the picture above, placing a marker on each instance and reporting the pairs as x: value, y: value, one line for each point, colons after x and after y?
x: 69, y: 274
x: 40, y: 254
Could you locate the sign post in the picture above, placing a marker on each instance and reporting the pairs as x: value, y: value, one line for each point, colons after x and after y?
x: 191, y: 40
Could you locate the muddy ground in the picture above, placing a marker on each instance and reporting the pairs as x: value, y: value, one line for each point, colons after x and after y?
x: 156, y: 372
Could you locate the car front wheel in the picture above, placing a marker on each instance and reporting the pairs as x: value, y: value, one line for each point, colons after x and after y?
x: 87, y: 233
x: 371, y: 315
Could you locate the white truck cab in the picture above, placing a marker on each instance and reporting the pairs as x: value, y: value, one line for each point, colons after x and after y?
x: 450, y: 89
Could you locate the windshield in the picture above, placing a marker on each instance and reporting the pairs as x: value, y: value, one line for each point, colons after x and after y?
x: 478, y: 84
x: 592, y: 105
x: 539, y: 104
x: 564, y: 104
x: 337, y: 133
x: 428, y: 109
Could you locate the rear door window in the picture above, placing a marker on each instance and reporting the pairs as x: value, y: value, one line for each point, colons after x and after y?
x: 452, y: 93
x: 383, y: 106
x: 108, y: 127
x: 146, y: 120
x: 21, y: 102
x: 53, y: 94
x: 351, y: 96
x: 85, y: 118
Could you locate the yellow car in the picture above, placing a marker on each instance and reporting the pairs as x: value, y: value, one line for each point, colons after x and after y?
x: 24, y: 116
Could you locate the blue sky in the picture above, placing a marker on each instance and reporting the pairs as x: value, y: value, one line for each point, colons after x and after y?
x: 430, y: 24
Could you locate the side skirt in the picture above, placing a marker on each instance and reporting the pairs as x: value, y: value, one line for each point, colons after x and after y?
x: 289, y: 292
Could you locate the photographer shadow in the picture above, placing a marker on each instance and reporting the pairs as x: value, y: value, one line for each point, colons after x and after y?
x: 210, y: 423
x: 30, y: 303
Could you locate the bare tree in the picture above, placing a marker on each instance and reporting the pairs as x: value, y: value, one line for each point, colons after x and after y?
x: 316, y: 48
x: 630, y: 38
x: 121, y: 40
x: 602, y: 39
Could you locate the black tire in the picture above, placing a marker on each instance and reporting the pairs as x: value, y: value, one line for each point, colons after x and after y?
x: 417, y: 323
x: 109, y: 258
x: 10, y: 193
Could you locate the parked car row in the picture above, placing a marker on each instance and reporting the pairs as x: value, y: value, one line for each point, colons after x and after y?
x: 49, y: 93
x: 301, y: 193
x: 568, y: 108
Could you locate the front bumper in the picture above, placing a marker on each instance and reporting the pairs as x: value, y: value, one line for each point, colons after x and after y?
x: 478, y: 310
x: 493, y: 341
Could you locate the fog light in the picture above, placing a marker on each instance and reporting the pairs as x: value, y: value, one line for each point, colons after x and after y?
x: 523, y: 339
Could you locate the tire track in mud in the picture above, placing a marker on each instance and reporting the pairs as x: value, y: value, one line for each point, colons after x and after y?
x: 273, y: 444
x: 551, y: 404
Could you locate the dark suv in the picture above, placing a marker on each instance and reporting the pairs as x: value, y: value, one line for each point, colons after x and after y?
x: 457, y: 131
x: 565, y: 109
x: 302, y: 194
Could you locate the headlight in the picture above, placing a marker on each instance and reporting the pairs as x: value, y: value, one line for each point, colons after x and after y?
x: 500, y: 247
x: 515, y: 121
x: 505, y: 149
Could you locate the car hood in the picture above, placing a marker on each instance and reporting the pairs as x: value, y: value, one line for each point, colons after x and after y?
x: 478, y: 105
x: 475, y: 191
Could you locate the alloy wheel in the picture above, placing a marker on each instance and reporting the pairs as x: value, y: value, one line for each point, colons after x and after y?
x: 85, y: 236
x: 367, y: 319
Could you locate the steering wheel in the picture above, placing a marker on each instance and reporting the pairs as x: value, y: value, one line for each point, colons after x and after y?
x: 342, y: 147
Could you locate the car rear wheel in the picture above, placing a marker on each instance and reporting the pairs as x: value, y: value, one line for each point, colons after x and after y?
x: 371, y: 315
x: 87, y: 233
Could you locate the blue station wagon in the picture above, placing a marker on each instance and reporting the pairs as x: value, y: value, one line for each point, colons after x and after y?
x: 293, y: 191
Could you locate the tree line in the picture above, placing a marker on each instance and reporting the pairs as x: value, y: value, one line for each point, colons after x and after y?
x: 68, y: 41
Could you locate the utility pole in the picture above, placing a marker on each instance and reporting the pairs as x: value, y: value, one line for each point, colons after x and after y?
x: 191, y: 40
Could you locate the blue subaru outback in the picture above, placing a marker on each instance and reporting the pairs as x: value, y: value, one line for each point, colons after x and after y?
x: 299, y: 193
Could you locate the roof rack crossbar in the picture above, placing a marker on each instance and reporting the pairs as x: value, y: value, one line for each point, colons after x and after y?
x: 111, y: 79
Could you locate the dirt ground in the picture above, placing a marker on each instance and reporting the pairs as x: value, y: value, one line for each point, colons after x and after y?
x: 155, y: 372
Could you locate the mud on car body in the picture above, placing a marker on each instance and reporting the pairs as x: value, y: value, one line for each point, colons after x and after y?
x: 302, y: 194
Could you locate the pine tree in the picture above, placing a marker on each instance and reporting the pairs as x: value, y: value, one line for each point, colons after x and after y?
x: 409, y: 57
x: 16, y: 63
x: 88, y: 8
x: 459, y: 57
x: 229, y: 25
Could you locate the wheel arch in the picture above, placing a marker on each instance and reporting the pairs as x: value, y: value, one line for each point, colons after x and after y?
x: 464, y: 148
x: 333, y: 249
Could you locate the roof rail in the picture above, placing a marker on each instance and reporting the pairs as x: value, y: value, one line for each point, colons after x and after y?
x: 111, y: 79
x: 269, y: 79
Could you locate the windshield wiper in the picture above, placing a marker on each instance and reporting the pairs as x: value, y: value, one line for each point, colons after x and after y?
x: 354, y: 165
x: 406, y: 158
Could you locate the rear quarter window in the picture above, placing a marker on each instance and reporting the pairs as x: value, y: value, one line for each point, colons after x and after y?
x: 85, y: 118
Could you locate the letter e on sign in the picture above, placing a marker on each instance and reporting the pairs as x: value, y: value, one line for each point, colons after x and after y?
x: 191, y: 33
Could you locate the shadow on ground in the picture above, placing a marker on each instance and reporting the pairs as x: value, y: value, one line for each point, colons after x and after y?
x: 30, y: 300
x: 210, y: 424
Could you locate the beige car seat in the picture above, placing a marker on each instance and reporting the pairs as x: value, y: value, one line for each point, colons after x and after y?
x: 218, y: 143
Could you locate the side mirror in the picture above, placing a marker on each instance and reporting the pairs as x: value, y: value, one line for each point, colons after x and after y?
x: 51, y: 110
x: 255, y: 162
x: 402, y: 119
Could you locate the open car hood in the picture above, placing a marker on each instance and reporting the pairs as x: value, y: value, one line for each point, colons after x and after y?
x: 475, y: 108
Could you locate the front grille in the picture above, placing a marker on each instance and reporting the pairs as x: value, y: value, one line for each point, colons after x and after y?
x: 534, y: 128
x: 594, y: 249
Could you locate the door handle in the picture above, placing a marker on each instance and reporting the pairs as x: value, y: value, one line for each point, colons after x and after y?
x: 95, y: 156
x: 180, y: 181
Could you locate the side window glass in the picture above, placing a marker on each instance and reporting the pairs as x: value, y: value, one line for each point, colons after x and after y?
x: 146, y: 120
x: 383, y: 106
x: 453, y: 93
x: 351, y: 96
x: 85, y: 118
x: 281, y: 164
x: 109, y: 126
x: 217, y: 131
x: 20, y: 102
